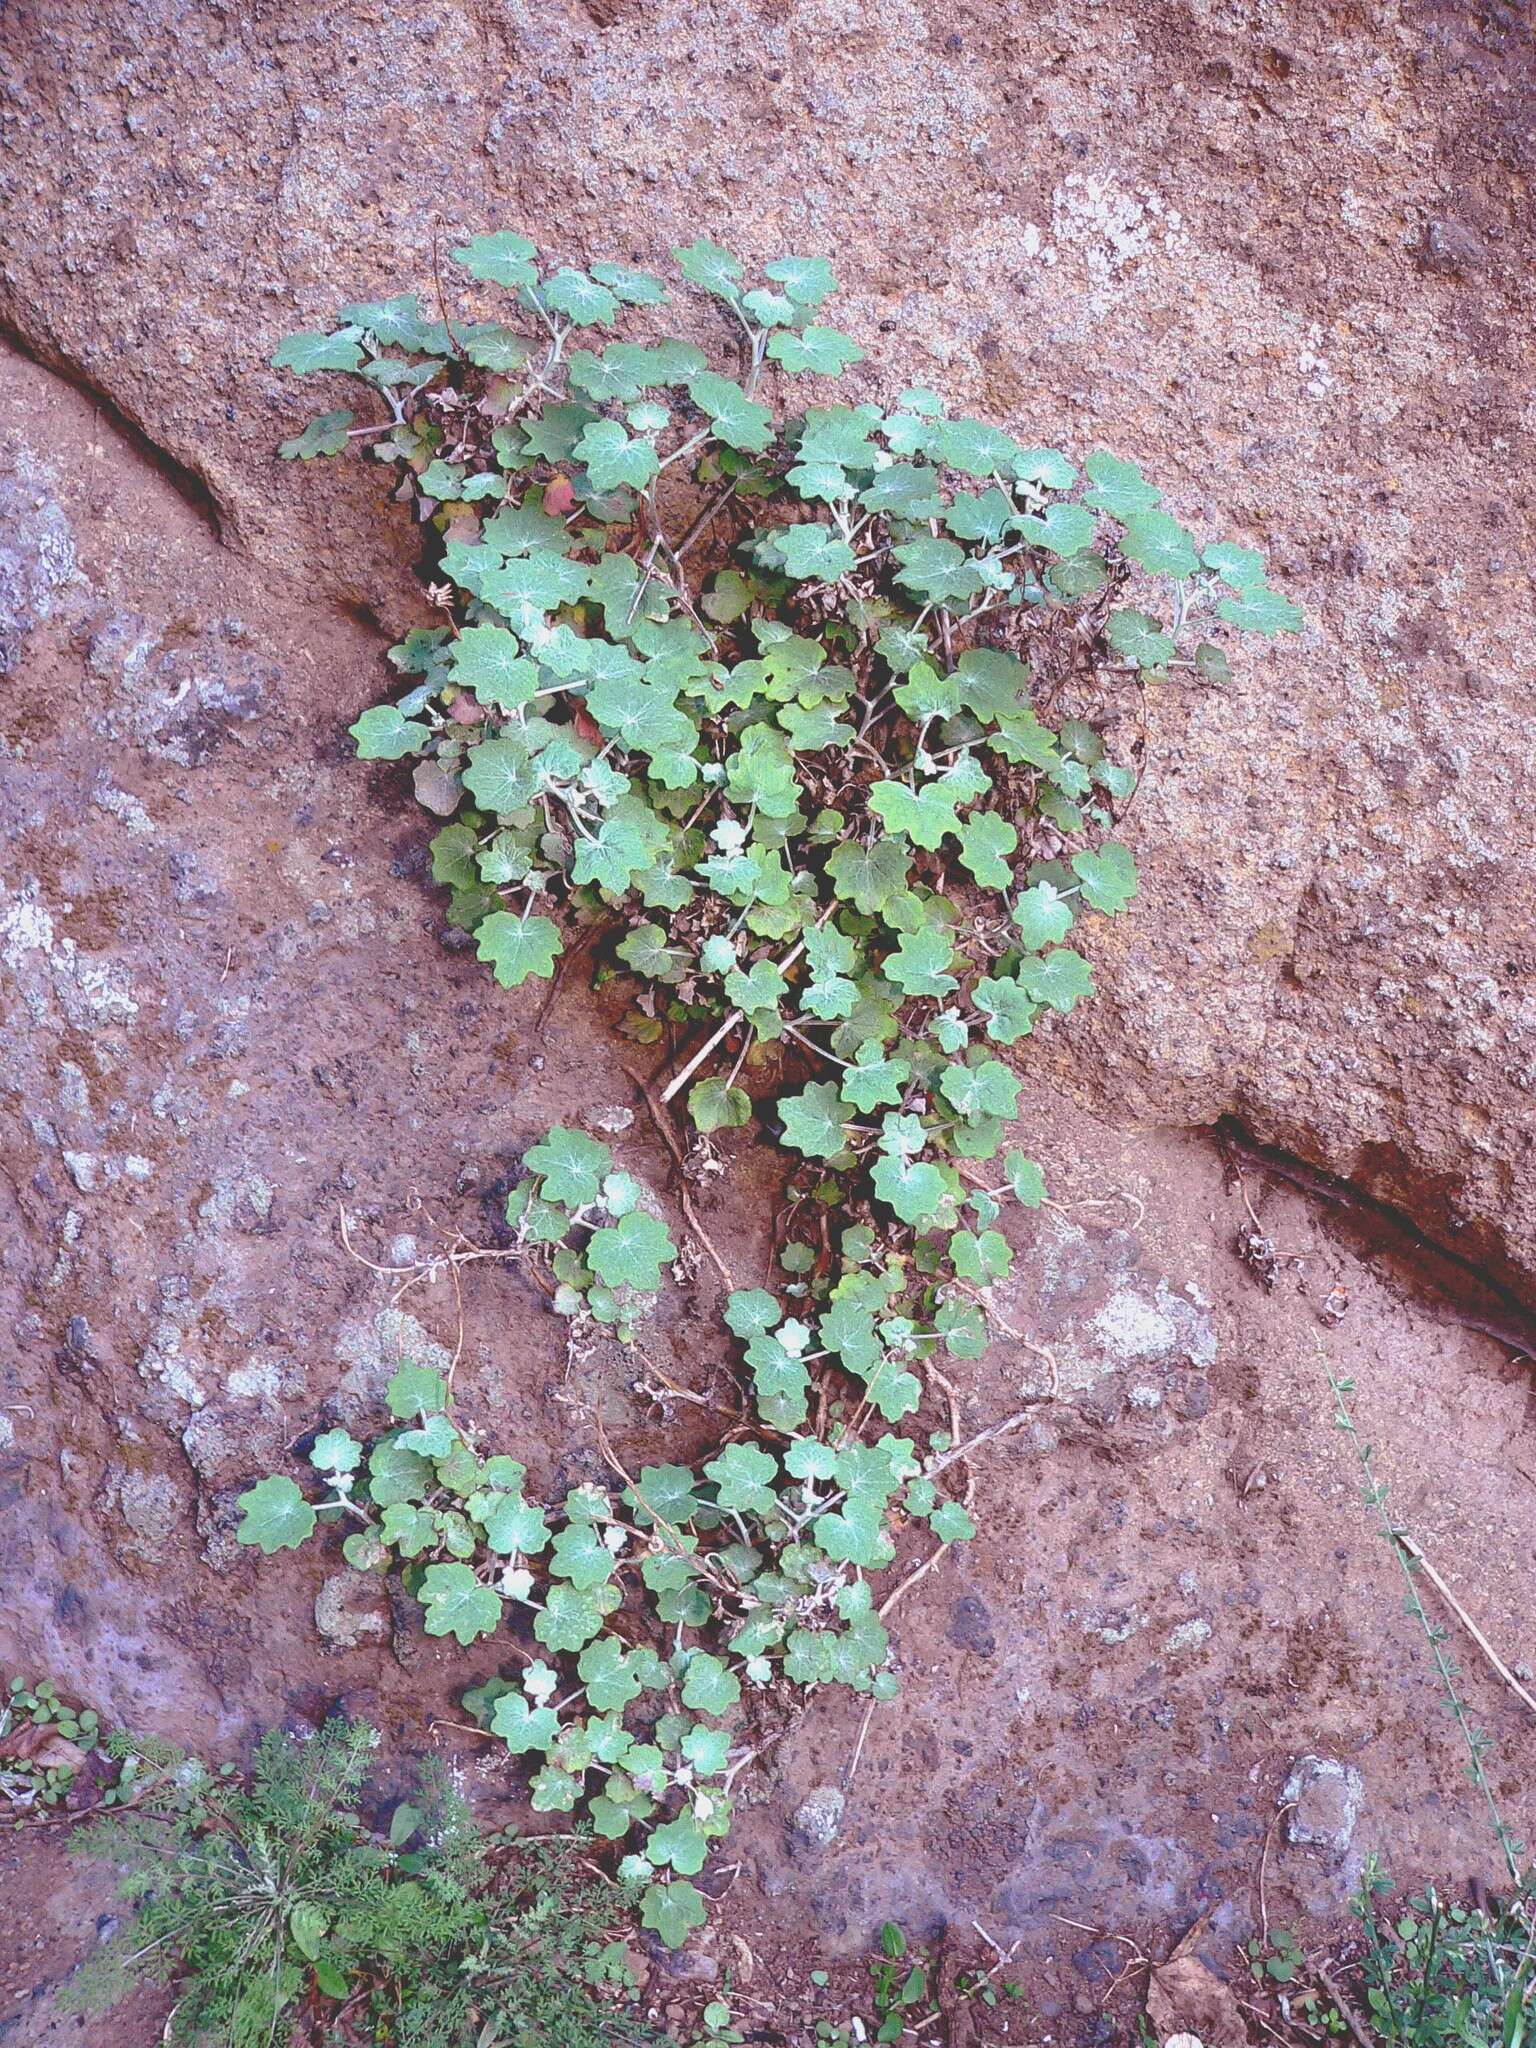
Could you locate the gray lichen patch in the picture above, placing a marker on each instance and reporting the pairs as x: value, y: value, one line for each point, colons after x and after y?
x: 372, y: 1348
x: 37, y: 554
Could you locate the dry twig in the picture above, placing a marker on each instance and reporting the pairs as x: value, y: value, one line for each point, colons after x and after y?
x: 663, y: 1125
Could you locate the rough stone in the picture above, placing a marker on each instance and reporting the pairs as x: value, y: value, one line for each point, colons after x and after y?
x: 1325, y: 1798
x: 351, y: 1608
x: 151, y: 1510
x: 1189, y: 1635
x: 1332, y: 852
x: 970, y: 1626
x: 817, y: 1819
x: 37, y: 554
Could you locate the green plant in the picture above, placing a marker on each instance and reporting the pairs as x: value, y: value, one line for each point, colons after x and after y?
x: 750, y: 695
x: 1438, y: 1973
x: 1280, y: 1965
x: 43, y: 1743
x: 575, y: 1190
x: 808, y: 779
x: 655, y: 1603
x: 1375, y: 1495
x: 904, y: 1994
x: 1277, y: 1960
x: 277, y: 1913
x: 719, y: 2029
x: 900, y: 1982
x: 1433, y: 1974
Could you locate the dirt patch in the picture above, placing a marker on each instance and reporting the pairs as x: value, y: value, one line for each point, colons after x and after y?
x: 232, y: 1008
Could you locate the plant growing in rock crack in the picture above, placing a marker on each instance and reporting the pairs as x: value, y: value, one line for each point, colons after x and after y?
x: 760, y: 684
x: 795, y: 709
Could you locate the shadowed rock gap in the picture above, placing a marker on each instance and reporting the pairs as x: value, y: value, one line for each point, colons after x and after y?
x: 1426, y: 1267
x: 191, y: 488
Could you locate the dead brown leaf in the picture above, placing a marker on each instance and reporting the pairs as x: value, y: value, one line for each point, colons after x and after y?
x: 43, y: 1747
x: 1184, y: 1996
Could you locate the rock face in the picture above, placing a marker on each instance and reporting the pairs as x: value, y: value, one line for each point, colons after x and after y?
x: 226, y: 1006
x: 1279, y: 259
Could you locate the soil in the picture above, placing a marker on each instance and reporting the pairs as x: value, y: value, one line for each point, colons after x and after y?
x: 230, y: 1014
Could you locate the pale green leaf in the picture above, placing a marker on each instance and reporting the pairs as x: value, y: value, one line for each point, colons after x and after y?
x: 1062, y: 530
x: 386, y: 734
x: 326, y: 435
x: 807, y: 280
x: 457, y: 1604
x: 305, y: 354
x: 1239, y: 568
x: 819, y: 350
x: 1118, y: 487
x: 1058, y: 979
x: 1261, y: 610
x: 714, y: 1105
x: 515, y: 947
x: 583, y: 301
x: 1159, y: 545
x: 712, y: 268
x: 634, y: 287
x: 708, y: 1686
x: 672, y: 1911
x: 814, y: 1119
x: 986, y: 838
x: 735, y: 418
x: 1107, y: 875
x: 573, y: 1166
x: 503, y: 258
x: 1043, y: 915
x: 632, y: 1252
x: 611, y: 458
x: 488, y: 661
x: 1139, y: 637
x: 274, y: 1515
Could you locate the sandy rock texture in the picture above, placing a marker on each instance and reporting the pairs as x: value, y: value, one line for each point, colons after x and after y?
x: 231, y: 1013
x: 1278, y: 253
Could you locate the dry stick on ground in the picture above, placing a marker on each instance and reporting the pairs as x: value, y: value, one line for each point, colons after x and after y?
x: 1250, y: 2008
x: 954, y: 1423
x: 1105, y: 1934
x: 663, y: 1125
x: 954, y: 1457
x: 1402, y: 1537
x: 1322, y: 1976
x: 736, y: 1017
x: 919, y: 1572
x: 1269, y: 1835
x: 858, y: 1747
x: 1004, y: 1956
x: 958, y: 1455
x: 459, y: 1252
x: 1351, y: 2020
x: 437, y: 279
x: 463, y: 1728
x: 661, y: 1522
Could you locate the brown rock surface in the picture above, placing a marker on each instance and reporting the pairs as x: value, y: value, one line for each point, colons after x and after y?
x: 230, y: 1007
x: 1278, y: 253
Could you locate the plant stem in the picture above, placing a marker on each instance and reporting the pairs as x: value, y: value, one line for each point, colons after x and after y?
x: 1374, y: 1493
